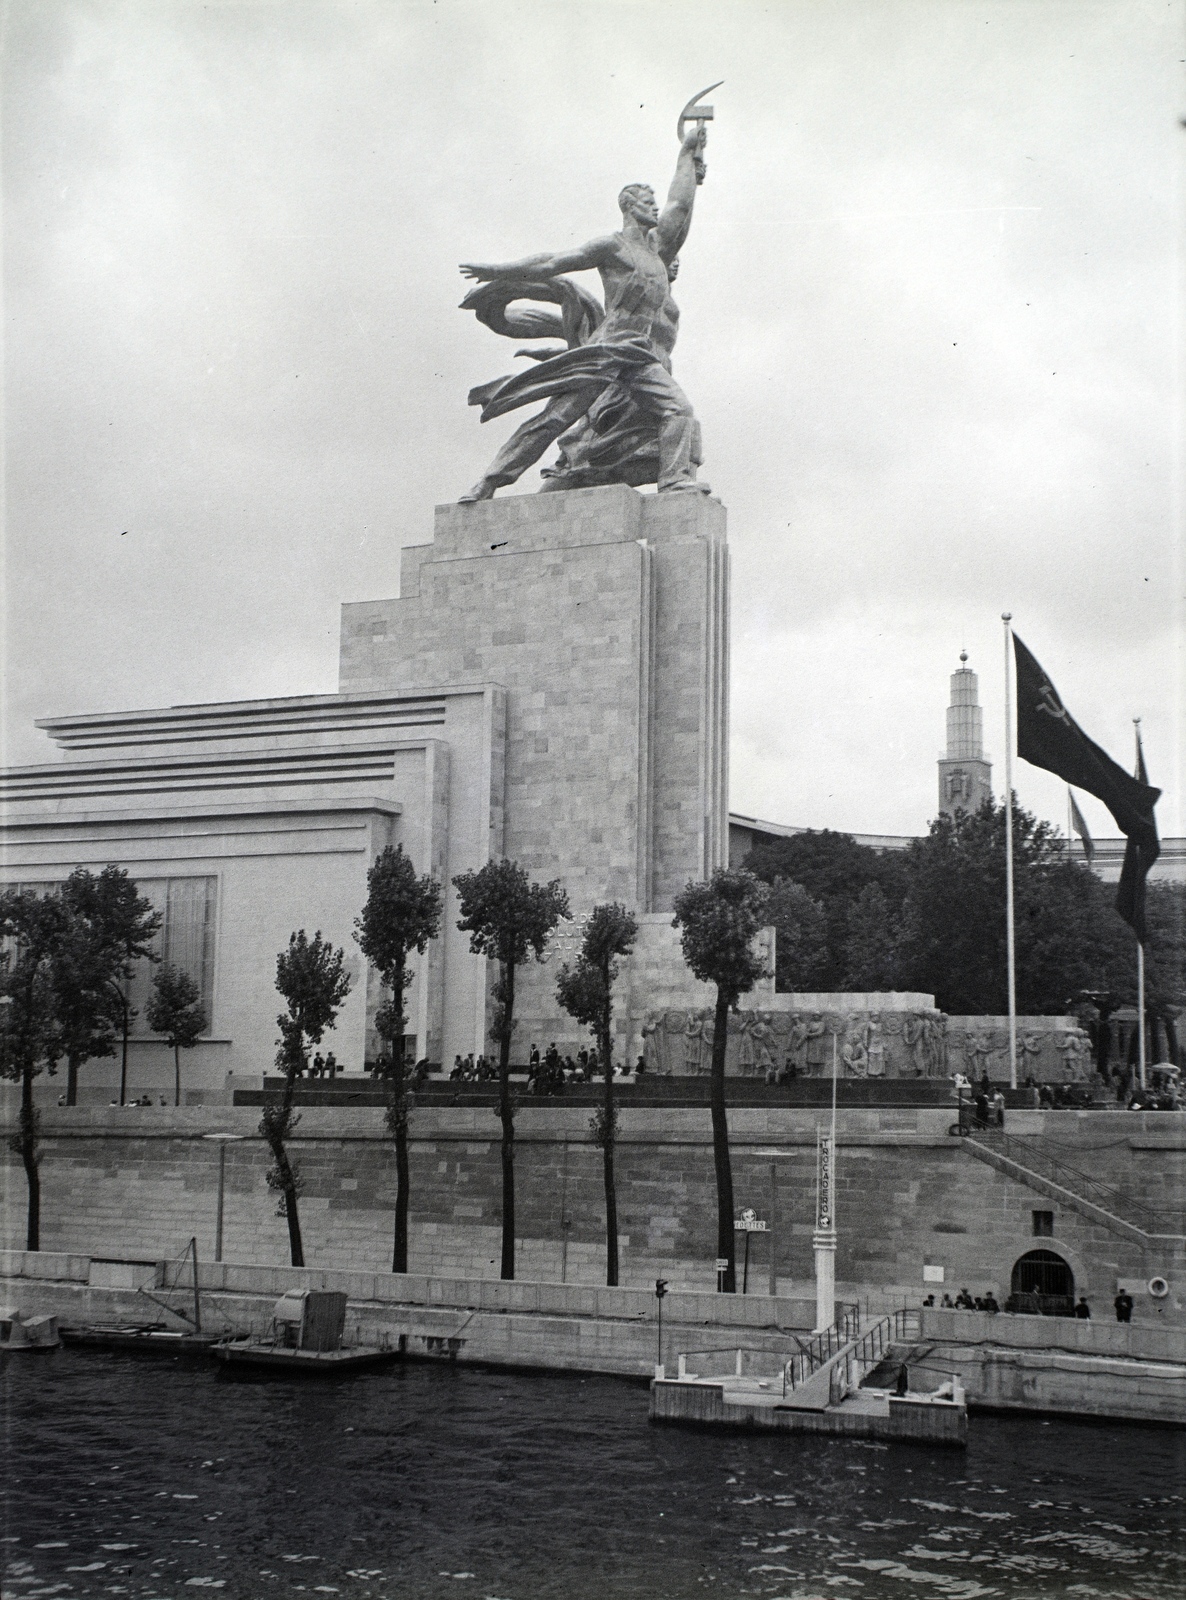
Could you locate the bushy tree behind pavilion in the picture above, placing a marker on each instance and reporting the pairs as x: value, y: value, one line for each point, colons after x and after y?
x: 124, y: 926
x: 402, y: 913
x: 719, y: 922
x: 931, y: 918
x: 833, y: 869
x: 174, y: 1009
x: 508, y: 919
x: 586, y: 992
x: 1068, y: 936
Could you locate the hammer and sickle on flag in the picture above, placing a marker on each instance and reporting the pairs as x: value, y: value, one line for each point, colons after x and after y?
x: 1051, y: 704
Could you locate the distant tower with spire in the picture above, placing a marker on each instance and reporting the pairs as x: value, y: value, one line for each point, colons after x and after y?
x: 965, y: 773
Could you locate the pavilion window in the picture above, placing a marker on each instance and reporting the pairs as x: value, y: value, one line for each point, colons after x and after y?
x: 186, y: 940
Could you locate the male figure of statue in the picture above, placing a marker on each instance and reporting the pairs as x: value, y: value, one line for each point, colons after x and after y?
x: 631, y: 347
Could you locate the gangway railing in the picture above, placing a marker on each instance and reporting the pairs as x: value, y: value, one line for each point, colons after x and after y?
x: 862, y: 1357
x: 817, y: 1350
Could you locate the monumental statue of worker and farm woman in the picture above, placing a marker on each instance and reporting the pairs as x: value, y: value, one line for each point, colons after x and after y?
x: 612, y: 402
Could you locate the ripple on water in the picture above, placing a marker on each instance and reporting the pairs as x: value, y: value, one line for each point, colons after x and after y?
x: 425, y: 1481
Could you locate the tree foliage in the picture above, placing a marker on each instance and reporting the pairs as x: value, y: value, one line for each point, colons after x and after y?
x: 586, y: 992
x: 833, y: 869
x: 508, y: 919
x: 87, y: 980
x: 174, y: 1009
x: 801, y: 954
x: 931, y: 918
x: 124, y: 926
x: 33, y: 928
x: 311, y: 977
x: 872, y: 942
x: 1068, y: 936
x: 719, y: 922
x: 402, y: 913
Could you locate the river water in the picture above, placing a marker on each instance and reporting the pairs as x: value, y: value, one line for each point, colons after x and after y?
x: 149, y: 1478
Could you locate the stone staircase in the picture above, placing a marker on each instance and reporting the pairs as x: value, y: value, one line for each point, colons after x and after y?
x: 1042, y: 1167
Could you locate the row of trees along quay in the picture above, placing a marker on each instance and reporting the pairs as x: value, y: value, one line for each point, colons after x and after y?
x: 66, y: 964
x: 509, y: 919
x: 930, y: 919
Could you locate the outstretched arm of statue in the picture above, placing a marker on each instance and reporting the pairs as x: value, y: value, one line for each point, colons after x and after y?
x: 547, y: 264
x: 676, y: 216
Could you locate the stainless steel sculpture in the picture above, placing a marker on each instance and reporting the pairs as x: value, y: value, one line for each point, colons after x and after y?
x: 612, y: 402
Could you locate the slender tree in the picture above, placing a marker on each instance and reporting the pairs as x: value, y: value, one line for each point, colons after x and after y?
x: 125, y: 924
x: 310, y: 976
x: 33, y: 928
x: 586, y: 992
x: 402, y: 913
x: 507, y: 918
x: 174, y: 1009
x: 719, y: 922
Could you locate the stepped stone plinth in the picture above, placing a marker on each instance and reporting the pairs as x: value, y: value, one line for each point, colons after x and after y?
x: 600, y: 617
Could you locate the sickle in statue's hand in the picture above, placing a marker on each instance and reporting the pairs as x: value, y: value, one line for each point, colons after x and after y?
x: 695, y: 113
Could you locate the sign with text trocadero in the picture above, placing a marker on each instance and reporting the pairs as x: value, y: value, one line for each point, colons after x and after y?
x: 823, y: 1181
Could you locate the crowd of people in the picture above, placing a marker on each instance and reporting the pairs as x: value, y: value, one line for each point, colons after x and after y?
x: 1028, y: 1303
x: 550, y: 1073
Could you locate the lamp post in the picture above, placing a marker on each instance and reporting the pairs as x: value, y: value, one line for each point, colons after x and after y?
x: 660, y: 1291
x: 221, y: 1140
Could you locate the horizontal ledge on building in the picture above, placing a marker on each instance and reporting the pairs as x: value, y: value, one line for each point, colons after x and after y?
x: 297, y: 806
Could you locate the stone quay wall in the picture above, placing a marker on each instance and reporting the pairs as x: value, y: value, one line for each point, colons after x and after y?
x: 1057, y: 1365
x: 141, y: 1182
x: 1012, y: 1363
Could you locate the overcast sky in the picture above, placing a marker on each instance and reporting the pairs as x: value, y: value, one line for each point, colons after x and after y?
x: 930, y: 326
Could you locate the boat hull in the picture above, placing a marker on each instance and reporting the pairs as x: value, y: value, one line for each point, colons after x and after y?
x: 149, y: 1340
x: 246, y: 1354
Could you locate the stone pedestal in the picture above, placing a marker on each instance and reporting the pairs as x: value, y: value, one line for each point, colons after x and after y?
x: 824, y: 1241
x: 601, y: 616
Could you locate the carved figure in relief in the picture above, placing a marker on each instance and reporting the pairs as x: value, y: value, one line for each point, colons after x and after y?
x: 816, y: 1049
x: 1071, y: 1044
x: 745, y: 1044
x: 876, y: 1045
x: 914, y: 1038
x: 652, y: 1041
x: 1029, y: 1055
x: 708, y: 1030
x: 854, y: 1053
x: 939, y: 1044
x: 979, y: 1051
x: 763, y: 1039
x: 693, y: 1041
x: 797, y: 1043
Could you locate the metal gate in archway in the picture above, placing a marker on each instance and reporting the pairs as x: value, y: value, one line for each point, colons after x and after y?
x: 1042, y: 1282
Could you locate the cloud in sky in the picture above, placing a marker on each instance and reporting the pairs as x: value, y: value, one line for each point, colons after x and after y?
x: 929, y: 325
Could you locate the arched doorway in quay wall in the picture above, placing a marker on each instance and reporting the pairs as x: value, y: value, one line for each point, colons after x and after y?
x: 1042, y: 1282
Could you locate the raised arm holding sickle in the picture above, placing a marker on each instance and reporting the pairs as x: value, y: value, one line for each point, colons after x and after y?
x: 631, y: 347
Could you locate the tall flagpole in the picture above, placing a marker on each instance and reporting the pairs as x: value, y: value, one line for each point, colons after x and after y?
x: 1140, y: 948
x: 1006, y: 618
x: 1070, y: 828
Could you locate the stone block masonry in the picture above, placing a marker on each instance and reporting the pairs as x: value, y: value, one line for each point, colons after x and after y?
x: 911, y: 1202
x: 603, y: 613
